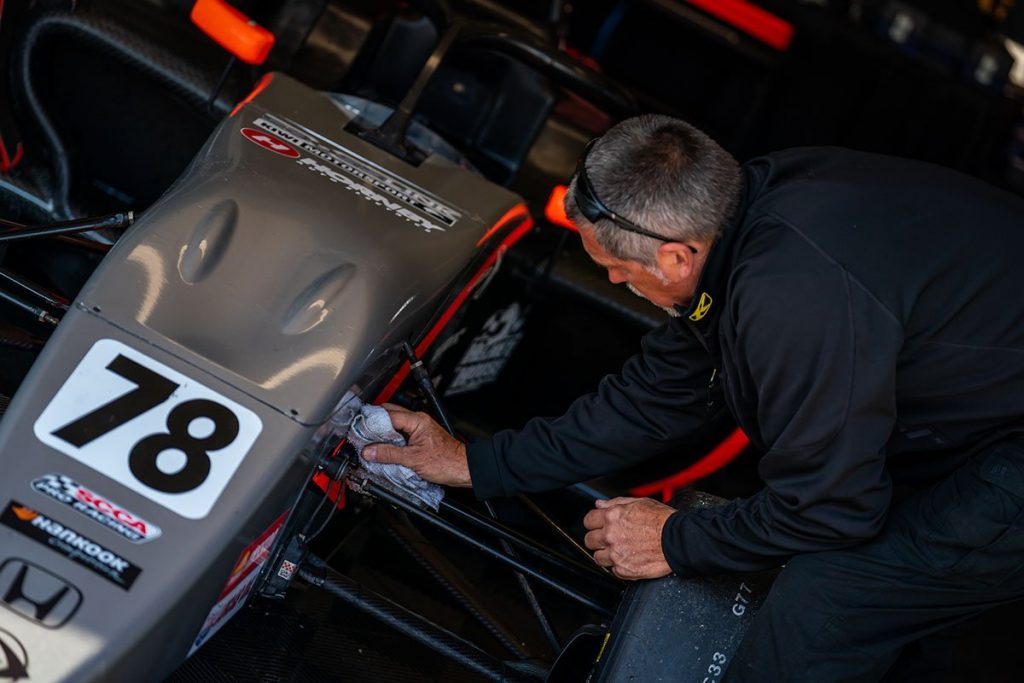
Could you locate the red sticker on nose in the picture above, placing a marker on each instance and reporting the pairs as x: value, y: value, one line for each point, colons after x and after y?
x: 268, y: 141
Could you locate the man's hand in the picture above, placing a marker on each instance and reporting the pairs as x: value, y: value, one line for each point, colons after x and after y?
x: 625, y: 534
x: 431, y: 451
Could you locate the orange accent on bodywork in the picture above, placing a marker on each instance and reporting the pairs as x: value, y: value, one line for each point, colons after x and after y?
x: 261, y: 85
x: 232, y: 30
x: 513, y: 213
x: 720, y: 456
x: 554, y: 211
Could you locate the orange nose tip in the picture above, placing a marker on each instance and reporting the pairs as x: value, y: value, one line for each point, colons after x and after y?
x: 232, y: 30
x: 554, y: 211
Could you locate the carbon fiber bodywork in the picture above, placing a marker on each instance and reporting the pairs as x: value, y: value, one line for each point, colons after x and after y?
x: 277, y: 273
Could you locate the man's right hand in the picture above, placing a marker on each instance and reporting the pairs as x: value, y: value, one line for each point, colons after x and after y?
x: 431, y: 452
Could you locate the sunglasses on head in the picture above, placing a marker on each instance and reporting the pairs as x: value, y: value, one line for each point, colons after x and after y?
x: 593, y: 209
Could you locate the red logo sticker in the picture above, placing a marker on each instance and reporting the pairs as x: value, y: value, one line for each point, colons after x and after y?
x: 110, y: 510
x: 66, y: 490
x: 268, y: 141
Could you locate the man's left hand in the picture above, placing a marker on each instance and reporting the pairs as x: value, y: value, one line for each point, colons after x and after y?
x: 625, y: 535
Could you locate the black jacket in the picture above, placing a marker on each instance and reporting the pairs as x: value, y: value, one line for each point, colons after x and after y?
x: 867, y: 326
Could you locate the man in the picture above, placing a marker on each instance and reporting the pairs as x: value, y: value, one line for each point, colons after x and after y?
x: 864, y: 316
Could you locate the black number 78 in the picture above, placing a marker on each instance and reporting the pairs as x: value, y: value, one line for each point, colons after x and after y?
x: 151, y: 390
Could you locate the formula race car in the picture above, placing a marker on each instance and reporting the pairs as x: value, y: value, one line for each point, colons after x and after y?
x: 222, y: 231
x: 175, y: 448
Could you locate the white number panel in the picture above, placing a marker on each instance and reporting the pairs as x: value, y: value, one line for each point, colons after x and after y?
x: 150, y: 428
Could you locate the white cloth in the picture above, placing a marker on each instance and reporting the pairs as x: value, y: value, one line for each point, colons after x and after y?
x: 372, y: 424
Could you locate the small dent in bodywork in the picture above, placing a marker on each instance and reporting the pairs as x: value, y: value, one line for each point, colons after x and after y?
x: 205, y: 248
x: 317, y: 301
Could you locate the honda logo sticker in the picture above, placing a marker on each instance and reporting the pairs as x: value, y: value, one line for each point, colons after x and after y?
x: 37, y: 594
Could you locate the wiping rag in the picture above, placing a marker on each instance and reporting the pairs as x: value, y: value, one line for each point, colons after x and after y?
x: 372, y: 424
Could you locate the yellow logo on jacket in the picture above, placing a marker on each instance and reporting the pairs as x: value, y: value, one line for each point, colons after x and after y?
x: 703, y: 306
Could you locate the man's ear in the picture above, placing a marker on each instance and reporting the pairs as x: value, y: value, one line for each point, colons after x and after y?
x: 676, y: 260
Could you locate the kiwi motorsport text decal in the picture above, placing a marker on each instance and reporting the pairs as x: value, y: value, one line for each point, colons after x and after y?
x: 356, y: 174
x: 152, y: 429
x: 68, y: 542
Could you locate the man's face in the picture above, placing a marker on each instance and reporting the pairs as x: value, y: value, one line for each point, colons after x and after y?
x: 657, y: 289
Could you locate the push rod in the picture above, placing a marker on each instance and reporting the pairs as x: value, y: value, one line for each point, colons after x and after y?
x: 531, y: 597
x: 422, y: 377
x: 554, y: 526
x: 515, y: 538
x: 454, y: 583
x: 444, y: 525
x: 51, y: 299
x: 413, y: 625
x: 40, y: 314
x: 112, y: 221
x: 82, y: 243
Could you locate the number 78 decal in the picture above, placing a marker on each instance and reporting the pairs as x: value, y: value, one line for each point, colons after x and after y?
x: 149, y: 428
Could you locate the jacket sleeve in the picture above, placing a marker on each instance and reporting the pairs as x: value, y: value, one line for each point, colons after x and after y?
x: 648, y: 409
x: 819, y: 353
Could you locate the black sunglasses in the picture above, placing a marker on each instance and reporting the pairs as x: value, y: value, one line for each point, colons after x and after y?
x: 593, y: 209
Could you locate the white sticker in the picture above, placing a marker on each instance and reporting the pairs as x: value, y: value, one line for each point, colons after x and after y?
x: 224, y: 609
x: 489, y: 352
x: 149, y: 428
x: 356, y: 174
x: 240, y: 583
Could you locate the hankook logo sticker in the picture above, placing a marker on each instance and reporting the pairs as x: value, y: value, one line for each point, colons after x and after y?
x: 68, y: 542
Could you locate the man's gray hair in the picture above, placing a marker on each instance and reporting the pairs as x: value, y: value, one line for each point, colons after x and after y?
x: 664, y: 175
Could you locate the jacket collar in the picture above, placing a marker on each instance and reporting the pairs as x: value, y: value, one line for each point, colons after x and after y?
x: 703, y: 313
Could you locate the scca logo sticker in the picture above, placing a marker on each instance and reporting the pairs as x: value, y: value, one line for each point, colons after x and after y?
x: 86, y: 502
x: 703, y: 307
